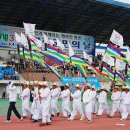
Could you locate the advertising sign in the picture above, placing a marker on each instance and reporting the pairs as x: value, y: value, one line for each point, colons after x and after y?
x: 78, y: 42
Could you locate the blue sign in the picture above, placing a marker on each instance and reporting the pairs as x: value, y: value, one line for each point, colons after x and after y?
x: 94, y: 81
x: 80, y: 80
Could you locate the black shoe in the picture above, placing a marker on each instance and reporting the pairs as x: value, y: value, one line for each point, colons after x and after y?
x: 52, y: 115
x: 58, y: 114
x: 34, y: 121
x: 70, y: 115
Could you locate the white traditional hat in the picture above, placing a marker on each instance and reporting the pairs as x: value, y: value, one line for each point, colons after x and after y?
x: 26, y: 82
x: 77, y: 86
x: 35, y: 82
x: 67, y: 85
x: 40, y: 83
x: 127, y: 87
x: 45, y: 83
x: 93, y: 86
x: 107, y: 89
x: 93, y: 75
x: 87, y: 84
x: 116, y: 87
x: 55, y: 84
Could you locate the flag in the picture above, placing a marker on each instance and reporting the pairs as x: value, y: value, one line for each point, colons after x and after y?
x: 17, y: 38
x: 38, y: 58
x: 35, y: 40
x: 24, y: 40
x: 120, y: 78
x: 71, y: 51
x: 29, y: 28
x: 128, y: 54
x: 112, y: 50
x: 60, y: 44
x: 27, y: 54
x: 106, y: 70
x: 33, y: 46
x: 108, y: 59
x: 116, y: 38
x: 128, y: 69
x: 120, y: 65
x: 82, y: 70
x: 21, y: 53
x: 46, y: 40
x: 86, y: 56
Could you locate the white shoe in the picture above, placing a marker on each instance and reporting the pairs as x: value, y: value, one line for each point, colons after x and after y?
x: 20, y: 119
x: 81, y: 119
x: 69, y: 119
x: 122, y: 119
x: 8, y: 121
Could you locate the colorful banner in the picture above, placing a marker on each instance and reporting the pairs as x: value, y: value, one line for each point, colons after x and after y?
x: 78, y: 42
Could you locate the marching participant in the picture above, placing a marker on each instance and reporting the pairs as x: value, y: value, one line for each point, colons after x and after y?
x: 54, y: 100
x: 126, y: 104
x: 65, y: 96
x: 38, y: 106
x: 45, y: 99
x: 35, y: 103
x: 12, y: 100
x: 88, y: 100
x: 123, y: 93
x: 94, y: 99
x: 102, y: 99
x: 77, y: 104
x: 25, y: 99
x: 116, y: 96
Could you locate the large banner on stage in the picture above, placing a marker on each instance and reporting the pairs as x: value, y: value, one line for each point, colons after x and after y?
x: 78, y: 42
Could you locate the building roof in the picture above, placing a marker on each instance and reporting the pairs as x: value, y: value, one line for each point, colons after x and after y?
x: 88, y: 17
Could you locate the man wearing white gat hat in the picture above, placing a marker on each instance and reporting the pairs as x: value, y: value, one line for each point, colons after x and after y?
x: 126, y: 104
x: 54, y: 100
x: 25, y: 99
x: 45, y: 97
x: 116, y: 98
x: 102, y: 99
x: 65, y: 96
x: 87, y: 100
x: 77, y: 104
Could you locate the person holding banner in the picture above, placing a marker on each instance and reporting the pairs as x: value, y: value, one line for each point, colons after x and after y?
x: 54, y: 100
x: 116, y: 97
x: 126, y: 104
x: 77, y: 104
x: 45, y: 100
x: 65, y: 96
x: 102, y: 99
x: 25, y: 99
x: 88, y: 102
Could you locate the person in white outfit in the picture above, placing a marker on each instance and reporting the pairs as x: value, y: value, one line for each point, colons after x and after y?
x: 102, y: 99
x: 94, y: 99
x: 45, y: 99
x: 65, y: 96
x: 25, y: 96
x: 123, y: 94
x: 77, y: 104
x: 116, y: 97
x: 35, y: 103
x: 88, y: 102
x: 126, y: 104
x: 55, y: 92
x: 12, y: 101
